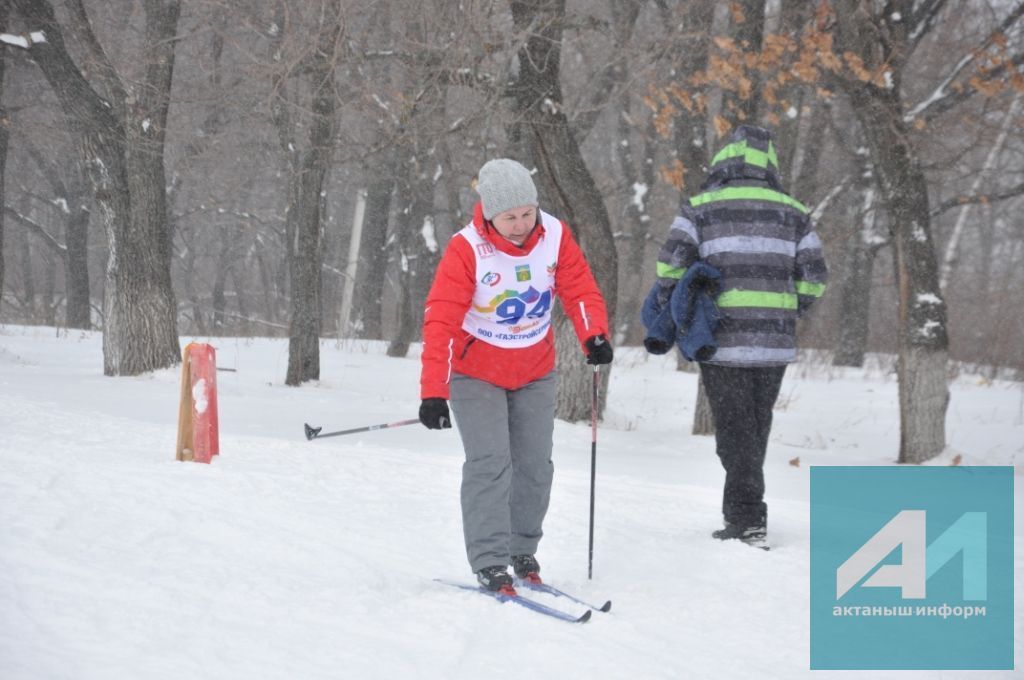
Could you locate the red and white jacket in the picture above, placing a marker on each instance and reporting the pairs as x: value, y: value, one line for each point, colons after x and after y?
x: 488, y: 313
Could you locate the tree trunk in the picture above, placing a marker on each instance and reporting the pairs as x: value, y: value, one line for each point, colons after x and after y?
x: 267, y: 283
x: 304, y: 275
x: 855, y: 302
x: 244, y: 326
x: 637, y: 165
x: 855, y: 288
x: 640, y: 177
x: 79, y: 310
x: 49, y: 301
x: 143, y: 299
x: 415, y: 229
x: 703, y: 421
x: 5, y: 123
x: 305, y: 214
x: 923, y: 342
x: 220, y: 277
x: 373, y: 250
x: 417, y: 244
x: 566, y: 187
x: 28, y: 301
x: 806, y: 161
x: 690, y: 146
x: 924, y: 398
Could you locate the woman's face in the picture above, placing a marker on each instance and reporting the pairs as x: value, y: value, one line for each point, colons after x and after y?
x: 516, y: 224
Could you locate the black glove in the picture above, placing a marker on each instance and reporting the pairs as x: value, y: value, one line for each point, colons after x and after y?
x: 434, y: 413
x: 599, y: 350
x: 656, y: 346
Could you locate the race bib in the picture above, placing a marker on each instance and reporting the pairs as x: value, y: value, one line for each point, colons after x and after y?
x: 512, y: 303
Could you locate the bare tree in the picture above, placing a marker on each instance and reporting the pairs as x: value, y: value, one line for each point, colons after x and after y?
x: 73, y: 204
x: 122, y: 134
x: 858, y: 265
x: 563, y: 180
x: 308, y: 161
x: 923, y: 338
x: 423, y: 122
x: 373, y: 247
x: 863, y: 50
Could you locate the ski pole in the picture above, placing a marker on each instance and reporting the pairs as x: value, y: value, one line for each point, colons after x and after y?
x: 314, y: 432
x: 593, y: 466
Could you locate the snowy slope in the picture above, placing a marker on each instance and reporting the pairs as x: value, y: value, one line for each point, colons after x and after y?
x: 295, y: 559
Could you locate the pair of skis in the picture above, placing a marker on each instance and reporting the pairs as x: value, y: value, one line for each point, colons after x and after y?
x: 512, y: 595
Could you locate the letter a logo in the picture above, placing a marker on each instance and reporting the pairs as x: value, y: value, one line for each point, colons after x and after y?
x: 966, y: 536
x: 906, y: 529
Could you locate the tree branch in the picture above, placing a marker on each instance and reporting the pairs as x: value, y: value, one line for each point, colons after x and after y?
x: 823, y: 204
x: 38, y: 230
x: 56, y: 183
x: 960, y: 201
x: 106, y: 74
x: 80, y: 101
x: 942, y: 99
x: 922, y: 22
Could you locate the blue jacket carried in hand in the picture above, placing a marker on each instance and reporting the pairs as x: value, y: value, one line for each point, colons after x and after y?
x: 688, y: 318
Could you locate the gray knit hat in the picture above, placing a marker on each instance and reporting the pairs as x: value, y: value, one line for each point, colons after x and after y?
x: 504, y: 184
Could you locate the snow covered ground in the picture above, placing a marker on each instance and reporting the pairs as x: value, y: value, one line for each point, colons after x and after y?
x: 295, y: 559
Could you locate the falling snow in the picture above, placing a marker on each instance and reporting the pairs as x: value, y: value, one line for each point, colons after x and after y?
x: 15, y: 40
x: 429, y: 236
x: 639, y: 191
x: 930, y: 329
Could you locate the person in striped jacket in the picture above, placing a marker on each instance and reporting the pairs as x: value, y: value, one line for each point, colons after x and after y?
x: 489, y: 350
x: 761, y: 240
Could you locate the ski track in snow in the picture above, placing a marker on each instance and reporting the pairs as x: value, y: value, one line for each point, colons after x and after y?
x: 295, y: 559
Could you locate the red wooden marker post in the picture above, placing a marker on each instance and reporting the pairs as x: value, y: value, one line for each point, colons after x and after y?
x: 198, y: 432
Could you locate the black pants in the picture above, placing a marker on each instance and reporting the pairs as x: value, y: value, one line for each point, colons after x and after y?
x: 741, y: 403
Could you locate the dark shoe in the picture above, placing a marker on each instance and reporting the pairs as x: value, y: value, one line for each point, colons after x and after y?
x: 526, y: 567
x: 754, y: 535
x: 494, y: 578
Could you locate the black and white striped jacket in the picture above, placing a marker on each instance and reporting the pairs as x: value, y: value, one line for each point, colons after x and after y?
x: 761, y: 240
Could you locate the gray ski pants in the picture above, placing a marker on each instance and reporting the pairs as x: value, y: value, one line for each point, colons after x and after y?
x: 506, y: 479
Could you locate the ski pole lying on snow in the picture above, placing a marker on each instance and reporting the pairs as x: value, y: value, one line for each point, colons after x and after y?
x: 314, y: 432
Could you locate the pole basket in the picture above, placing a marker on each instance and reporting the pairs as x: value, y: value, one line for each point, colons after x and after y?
x: 198, y: 433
